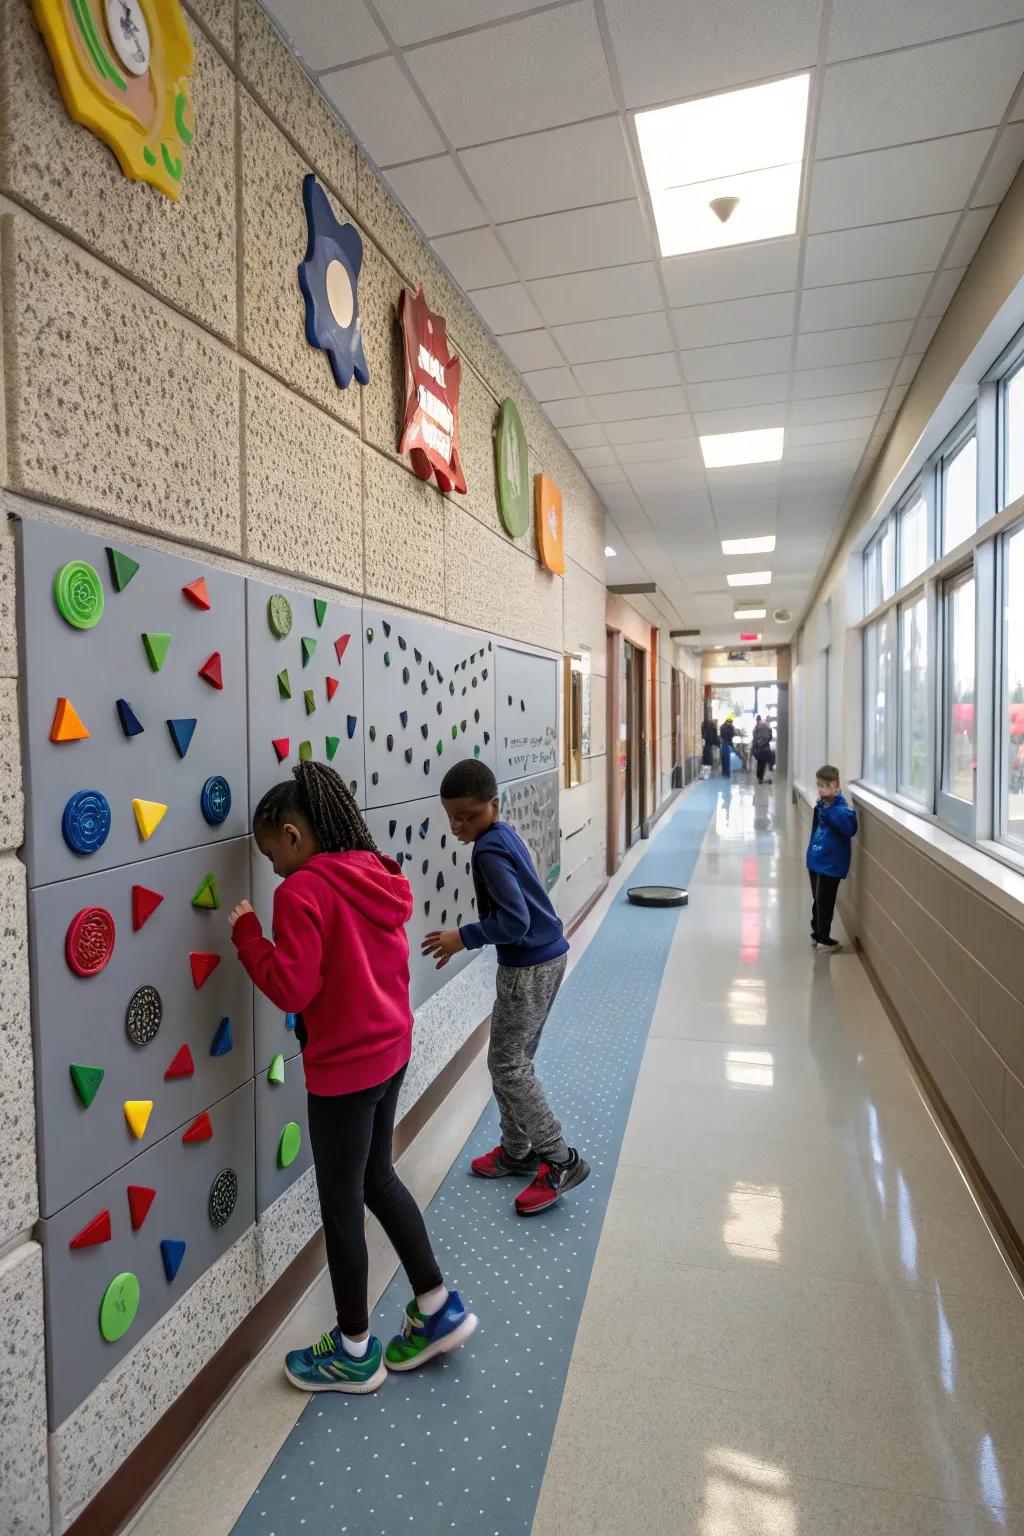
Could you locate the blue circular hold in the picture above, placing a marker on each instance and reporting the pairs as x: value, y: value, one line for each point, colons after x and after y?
x: 86, y: 821
x: 215, y: 800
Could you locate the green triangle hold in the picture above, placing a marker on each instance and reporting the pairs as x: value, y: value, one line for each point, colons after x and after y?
x: 87, y: 1081
x: 308, y: 648
x: 310, y: 698
x: 275, y: 1072
x: 332, y: 744
x: 305, y: 751
x: 207, y: 895
x: 284, y: 686
x: 157, y: 647
x: 122, y: 568
x: 320, y: 609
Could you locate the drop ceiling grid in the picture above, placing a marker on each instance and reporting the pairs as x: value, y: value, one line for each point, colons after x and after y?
x: 885, y: 308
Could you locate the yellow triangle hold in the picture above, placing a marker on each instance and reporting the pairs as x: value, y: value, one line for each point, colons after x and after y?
x: 137, y: 1113
x: 148, y: 814
x: 67, y: 723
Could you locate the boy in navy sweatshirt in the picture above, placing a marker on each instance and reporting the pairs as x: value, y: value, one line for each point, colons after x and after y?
x: 516, y: 916
x: 828, y: 855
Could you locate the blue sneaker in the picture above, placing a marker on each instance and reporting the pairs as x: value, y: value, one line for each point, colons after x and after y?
x: 422, y: 1337
x: 327, y: 1367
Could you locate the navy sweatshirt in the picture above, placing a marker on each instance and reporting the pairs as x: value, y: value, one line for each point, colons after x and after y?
x: 515, y: 914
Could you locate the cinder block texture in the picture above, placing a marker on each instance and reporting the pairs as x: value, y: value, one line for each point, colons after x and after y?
x: 12, y: 803
x: 144, y: 433
x: 25, y: 1509
x: 584, y: 602
x: 384, y: 397
x: 19, y: 1199
x: 490, y: 584
x: 217, y: 17
x: 183, y: 251
x: 8, y: 617
x: 403, y: 536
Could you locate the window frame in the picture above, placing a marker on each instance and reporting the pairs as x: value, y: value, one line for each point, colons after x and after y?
x: 1001, y: 830
x: 924, y: 797
x: 959, y: 814
x: 953, y: 446
x: 917, y: 495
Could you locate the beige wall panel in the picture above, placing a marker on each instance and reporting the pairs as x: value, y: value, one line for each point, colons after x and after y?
x: 490, y: 584
x: 403, y: 536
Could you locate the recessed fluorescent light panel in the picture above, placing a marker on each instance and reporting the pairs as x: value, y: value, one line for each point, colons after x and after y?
x: 609, y: 552
x: 750, y: 611
x: 749, y: 579
x: 725, y: 170
x: 763, y: 546
x: 725, y: 450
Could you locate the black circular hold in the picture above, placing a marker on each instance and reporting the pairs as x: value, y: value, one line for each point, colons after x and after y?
x: 145, y: 1010
x: 223, y: 1196
x: 658, y: 896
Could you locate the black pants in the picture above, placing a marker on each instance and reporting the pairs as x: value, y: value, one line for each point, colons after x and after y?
x: 764, y: 760
x: 351, y: 1137
x: 824, y: 890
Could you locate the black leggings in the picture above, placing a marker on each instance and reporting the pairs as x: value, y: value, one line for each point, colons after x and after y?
x: 351, y: 1136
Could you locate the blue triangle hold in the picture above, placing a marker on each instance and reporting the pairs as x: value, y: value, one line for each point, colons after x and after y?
x: 130, y: 722
x: 222, y: 1041
x: 290, y: 1020
x: 351, y: 726
x: 182, y: 732
x: 172, y: 1251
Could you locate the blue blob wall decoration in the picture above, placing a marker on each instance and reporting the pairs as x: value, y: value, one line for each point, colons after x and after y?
x: 329, y: 278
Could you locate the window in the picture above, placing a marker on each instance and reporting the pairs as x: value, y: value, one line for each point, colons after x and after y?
x: 878, y: 693
x: 872, y: 576
x: 1013, y: 436
x: 1013, y: 716
x: 913, y: 538
x: 959, y: 727
x: 913, y: 777
x: 959, y: 494
x: 887, y: 558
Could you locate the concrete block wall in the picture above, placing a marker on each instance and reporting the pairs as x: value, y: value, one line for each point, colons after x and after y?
x: 156, y: 376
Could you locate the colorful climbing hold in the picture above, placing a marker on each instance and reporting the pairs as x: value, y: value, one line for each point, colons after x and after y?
x: 320, y: 609
x: 341, y: 645
x: 439, y: 747
x: 331, y: 744
x: 67, y: 723
x: 279, y: 616
x: 305, y: 751
x: 215, y: 800
x: 350, y: 726
x: 223, y: 1197
x: 140, y: 1198
x: 212, y: 671
x: 290, y: 1020
x: 182, y: 732
x: 78, y: 593
x: 424, y: 826
x: 86, y: 1081
x: 284, y: 685
x: 408, y: 754
x: 197, y: 593
x: 369, y: 635
x: 97, y: 1231
x: 85, y: 823
x: 137, y: 1113
x: 182, y: 1065
x: 403, y: 715
x: 89, y: 941
x: 122, y: 568
x: 201, y: 1128
x: 203, y: 966
x: 119, y: 1306
x: 223, y: 1040
x: 156, y: 646
x: 130, y: 722
x: 172, y: 1251
x: 386, y: 628
x: 331, y: 684
x: 207, y: 895
x: 144, y: 904
x: 143, y: 1015
x: 148, y: 816
x: 308, y: 649
x: 289, y: 1144
x: 275, y: 1072
x: 282, y: 746
x: 310, y: 701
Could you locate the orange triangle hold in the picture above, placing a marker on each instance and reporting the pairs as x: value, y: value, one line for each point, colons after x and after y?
x: 203, y: 966
x: 196, y: 592
x: 140, y: 1198
x: 201, y: 1128
x: 97, y: 1231
x: 67, y: 723
x: 182, y: 1065
x: 211, y: 671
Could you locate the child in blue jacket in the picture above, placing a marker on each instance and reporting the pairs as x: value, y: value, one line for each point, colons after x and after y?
x: 828, y: 855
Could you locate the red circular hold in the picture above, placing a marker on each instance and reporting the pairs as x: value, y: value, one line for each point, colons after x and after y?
x: 90, y: 941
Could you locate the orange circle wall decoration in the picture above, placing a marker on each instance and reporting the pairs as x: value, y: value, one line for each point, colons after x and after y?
x: 550, y: 527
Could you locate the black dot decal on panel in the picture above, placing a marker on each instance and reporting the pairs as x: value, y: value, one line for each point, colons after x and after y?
x: 408, y: 754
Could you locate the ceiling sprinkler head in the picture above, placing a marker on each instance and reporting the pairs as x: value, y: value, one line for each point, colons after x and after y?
x: 723, y: 208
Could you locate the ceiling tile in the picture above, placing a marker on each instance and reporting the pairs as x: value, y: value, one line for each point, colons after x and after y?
x: 506, y: 308
x: 969, y: 236
x: 946, y: 284
x: 383, y: 110
x: 552, y: 384
x: 824, y: 453
x: 682, y: 448
x: 597, y: 295
x: 723, y: 394
x: 708, y: 325
x: 708, y: 277
x: 881, y: 299
x: 574, y: 241
x: 907, y: 368
x: 435, y: 18
x: 900, y: 183
x: 533, y: 72
x: 607, y: 475
x: 739, y: 361
x: 330, y: 32
x: 830, y: 432
x: 923, y: 331
x: 546, y: 172
x: 833, y: 408
x: 877, y: 250
x: 568, y: 412
x: 871, y: 26
x: 855, y: 344
x: 745, y: 418
x: 650, y: 429
x: 435, y: 194
x: 817, y: 383
x: 665, y: 50
x: 597, y: 457
x: 1003, y: 167
x: 640, y: 402
x: 532, y: 349
x: 631, y: 336
x: 921, y: 93
x: 475, y: 258
x: 628, y: 373
x: 588, y: 435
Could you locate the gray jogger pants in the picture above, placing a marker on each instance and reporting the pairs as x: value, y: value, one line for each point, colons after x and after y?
x: 525, y: 997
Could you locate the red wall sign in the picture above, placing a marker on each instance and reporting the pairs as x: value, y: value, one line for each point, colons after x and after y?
x: 430, y: 434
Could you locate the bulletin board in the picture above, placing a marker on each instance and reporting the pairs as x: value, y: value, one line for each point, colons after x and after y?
x: 527, y: 713
x: 531, y: 806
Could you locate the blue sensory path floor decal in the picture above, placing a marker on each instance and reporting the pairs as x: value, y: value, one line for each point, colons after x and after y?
x: 461, y: 1445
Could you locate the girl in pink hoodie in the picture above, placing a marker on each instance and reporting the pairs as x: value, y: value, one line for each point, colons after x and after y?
x: 339, y: 960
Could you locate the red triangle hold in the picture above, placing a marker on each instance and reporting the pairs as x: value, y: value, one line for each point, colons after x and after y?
x: 341, y: 645
x: 211, y: 671
x: 181, y: 1066
x: 98, y: 1231
x: 203, y: 966
x: 332, y: 688
x: 139, y: 1201
x: 201, y: 1128
x: 282, y: 746
x: 196, y: 592
x: 144, y: 904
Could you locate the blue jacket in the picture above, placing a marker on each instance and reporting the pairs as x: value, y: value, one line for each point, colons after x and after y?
x: 512, y: 905
x: 834, y: 828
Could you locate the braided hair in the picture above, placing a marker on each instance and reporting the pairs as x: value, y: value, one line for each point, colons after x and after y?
x: 325, y: 800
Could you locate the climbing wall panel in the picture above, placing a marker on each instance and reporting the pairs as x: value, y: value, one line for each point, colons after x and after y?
x: 526, y: 691
x: 531, y: 806
x: 280, y: 1105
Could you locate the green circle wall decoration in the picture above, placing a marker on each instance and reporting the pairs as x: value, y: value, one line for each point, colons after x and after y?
x: 78, y: 593
x: 513, y: 470
x: 279, y: 616
x: 119, y: 1306
x: 289, y: 1145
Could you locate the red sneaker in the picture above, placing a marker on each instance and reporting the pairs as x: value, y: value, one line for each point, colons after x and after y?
x: 552, y: 1181
x: 497, y: 1164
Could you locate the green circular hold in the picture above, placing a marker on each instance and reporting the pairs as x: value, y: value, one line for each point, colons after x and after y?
x: 119, y: 1305
x: 78, y: 593
x: 289, y: 1145
x: 513, y: 470
x: 279, y: 615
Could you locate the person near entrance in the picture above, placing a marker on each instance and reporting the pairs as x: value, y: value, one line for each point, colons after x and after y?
x: 709, y: 731
x: 761, y: 742
x: 833, y: 829
x: 728, y: 735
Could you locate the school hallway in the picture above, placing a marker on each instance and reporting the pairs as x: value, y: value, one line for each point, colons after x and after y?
x: 773, y: 1310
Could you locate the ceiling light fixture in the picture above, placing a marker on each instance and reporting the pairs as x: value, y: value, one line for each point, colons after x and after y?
x: 725, y: 170
x: 760, y: 546
x: 749, y: 579
x: 609, y: 552
x: 749, y: 611
x: 726, y: 450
